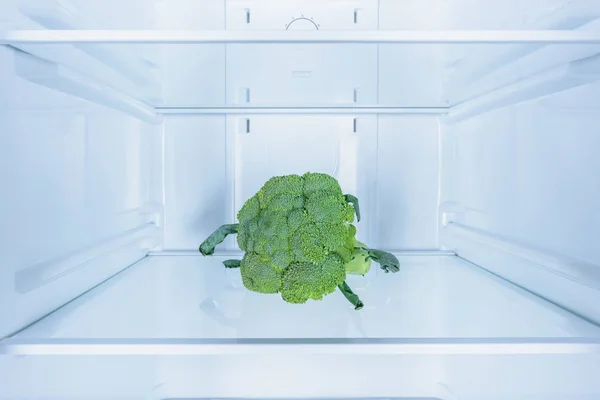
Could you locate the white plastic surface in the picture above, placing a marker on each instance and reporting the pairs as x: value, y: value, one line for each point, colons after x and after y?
x: 195, y: 179
x: 61, y: 14
x: 78, y: 180
x: 301, y: 14
x: 530, y: 172
x: 527, y: 175
x: 297, y: 74
x: 408, y: 14
x: 406, y: 199
x: 571, y: 75
x: 464, y: 14
x: 544, y: 377
x: 214, y: 165
x: 124, y: 69
x: 57, y: 77
x: 200, y: 80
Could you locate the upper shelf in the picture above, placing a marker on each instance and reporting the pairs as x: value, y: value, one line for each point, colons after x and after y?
x: 16, y: 37
x: 275, y: 71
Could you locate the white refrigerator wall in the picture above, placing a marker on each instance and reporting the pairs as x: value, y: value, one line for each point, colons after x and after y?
x: 464, y: 377
x: 332, y: 14
x: 520, y: 195
x: 529, y: 172
x: 82, y: 192
x: 213, y: 165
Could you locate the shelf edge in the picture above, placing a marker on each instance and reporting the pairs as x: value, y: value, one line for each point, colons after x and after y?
x: 372, y: 36
x: 409, y: 346
x: 400, y: 253
x: 297, y: 109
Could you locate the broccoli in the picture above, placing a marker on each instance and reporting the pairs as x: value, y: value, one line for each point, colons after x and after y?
x: 299, y: 240
x: 360, y: 262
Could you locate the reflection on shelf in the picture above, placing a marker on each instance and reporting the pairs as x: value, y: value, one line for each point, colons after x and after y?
x: 139, y: 240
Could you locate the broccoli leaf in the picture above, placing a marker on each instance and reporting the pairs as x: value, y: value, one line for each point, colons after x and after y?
x: 207, y: 247
x: 232, y: 263
x: 387, y: 261
x: 352, y: 298
x: 354, y: 201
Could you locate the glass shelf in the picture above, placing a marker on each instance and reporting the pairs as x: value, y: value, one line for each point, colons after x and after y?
x: 192, y: 305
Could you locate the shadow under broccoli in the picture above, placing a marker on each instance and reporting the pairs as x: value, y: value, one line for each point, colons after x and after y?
x: 299, y: 240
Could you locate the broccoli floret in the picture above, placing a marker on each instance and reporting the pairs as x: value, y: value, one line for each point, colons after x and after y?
x: 307, y: 244
x: 326, y: 207
x: 260, y: 275
x: 280, y: 185
x: 320, y: 182
x: 299, y: 240
x: 305, y: 281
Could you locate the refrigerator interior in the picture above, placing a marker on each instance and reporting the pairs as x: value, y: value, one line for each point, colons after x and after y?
x: 468, y: 129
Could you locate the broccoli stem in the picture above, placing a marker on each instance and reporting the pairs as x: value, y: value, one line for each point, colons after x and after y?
x: 207, y: 247
x: 354, y: 201
x: 352, y: 298
x: 387, y: 261
x: 232, y: 263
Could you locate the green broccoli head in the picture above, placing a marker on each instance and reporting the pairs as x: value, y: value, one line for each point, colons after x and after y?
x: 297, y: 219
x: 304, y: 281
x: 300, y: 225
x: 259, y: 274
x: 299, y: 239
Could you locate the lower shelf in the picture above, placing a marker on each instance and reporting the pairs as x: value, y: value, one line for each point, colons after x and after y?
x: 174, y: 305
